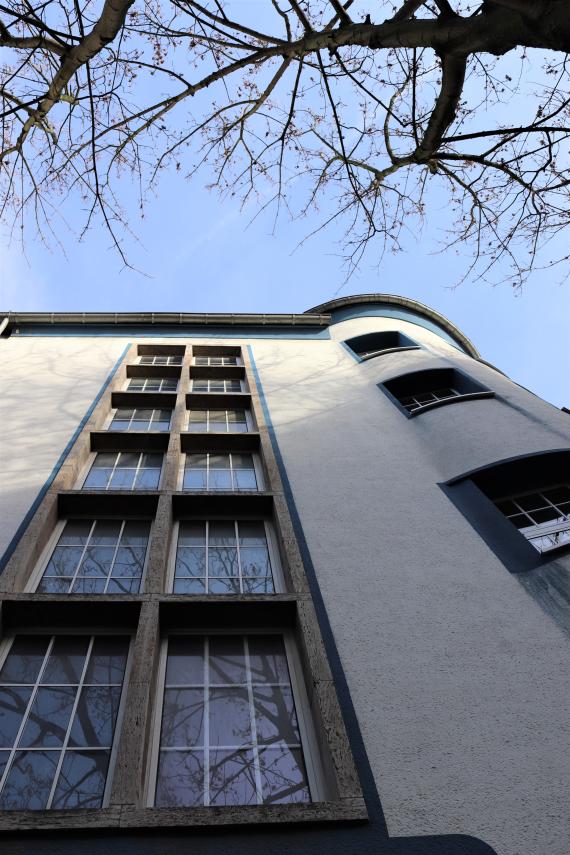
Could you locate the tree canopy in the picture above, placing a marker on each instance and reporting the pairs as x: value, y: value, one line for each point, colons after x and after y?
x: 364, y: 110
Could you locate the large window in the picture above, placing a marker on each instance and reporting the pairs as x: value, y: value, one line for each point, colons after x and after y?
x: 424, y: 390
x: 217, y: 360
x: 220, y: 472
x: 126, y: 418
x: 160, y: 360
x: 124, y: 470
x: 542, y: 516
x: 59, y: 703
x: 224, y: 421
x: 202, y: 384
x: 375, y: 343
x: 152, y: 384
x: 97, y: 557
x: 229, y: 728
x: 224, y: 557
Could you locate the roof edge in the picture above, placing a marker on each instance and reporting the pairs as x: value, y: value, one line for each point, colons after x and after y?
x: 303, y: 319
x: 405, y: 303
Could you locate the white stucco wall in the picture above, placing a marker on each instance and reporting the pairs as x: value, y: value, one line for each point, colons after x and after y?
x: 457, y: 675
x: 46, y: 387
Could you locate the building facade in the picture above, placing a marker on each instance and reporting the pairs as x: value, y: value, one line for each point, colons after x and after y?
x: 287, y: 583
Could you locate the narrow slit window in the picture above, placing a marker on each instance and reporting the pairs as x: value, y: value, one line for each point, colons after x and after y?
x: 59, y: 703
x: 129, y: 419
x: 97, y: 557
x: 223, y: 557
x: 124, y: 470
x: 229, y: 730
x: 220, y: 472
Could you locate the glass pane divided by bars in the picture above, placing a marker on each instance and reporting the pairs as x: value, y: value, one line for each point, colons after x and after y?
x: 543, y: 516
x: 223, y: 421
x: 127, y: 418
x: 152, y: 384
x: 229, y: 730
x: 223, y: 557
x: 421, y: 399
x: 124, y: 470
x: 203, y: 385
x: 216, y: 360
x: 59, y: 701
x: 160, y: 360
x: 97, y: 557
x: 219, y: 472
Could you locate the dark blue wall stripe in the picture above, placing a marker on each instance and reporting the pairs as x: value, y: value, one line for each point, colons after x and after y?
x: 60, y: 461
x: 94, y: 331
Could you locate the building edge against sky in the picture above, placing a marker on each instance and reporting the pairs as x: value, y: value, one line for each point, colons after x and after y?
x: 414, y: 515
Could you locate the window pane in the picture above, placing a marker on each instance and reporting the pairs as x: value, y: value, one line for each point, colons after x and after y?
x: 227, y: 660
x: 252, y: 534
x: 64, y: 561
x: 232, y: 778
x: 66, y: 660
x: 51, y: 585
x: 83, y: 585
x: 180, y: 780
x: 135, y: 533
x: 558, y: 494
x: 49, y: 717
x: 220, y: 479
x: 105, y: 460
x: 94, y: 721
x: 122, y: 479
x: 97, y: 561
x: 29, y: 781
x: 190, y: 561
x: 189, y: 586
x: 528, y: 503
x: 195, y: 479
x: 76, y: 532
x: 123, y: 586
x: 147, y: 479
x: 245, y: 479
x: 129, y: 561
x: 97, y: 479
x: 108, y: 660
x: 183, y: 717
x: 222, y: 561
x: 106, y: 533
x: 262, y: 585
x: 218, y: 417
x: 267, y: 658
x: 81, y: 782
x: 223, y: 586
x: 549, y: 514
x: 24, y: 660
x: 222, y: 534
x: 185, y: 664
x: 13, y: 704
x: 283, y: 777
x: 275, y: 716
x: 119, y: 424
x: 230, y: 717
x: 255, y: 561
x: 192, y: 534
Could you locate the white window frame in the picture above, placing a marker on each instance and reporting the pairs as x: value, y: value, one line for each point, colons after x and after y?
x: 309, y: 743
x: 37, y: 573
x: 114, y: 410
x: 152, y: 391
x: 250, y: 425
x: 5, y: 647
x: 224, y: 380
x: 256, y: 465
x: 91, y: 459
x: 535, y: 530
x: 435, y: 398
x: 155, y: 356
x: 274, y: 556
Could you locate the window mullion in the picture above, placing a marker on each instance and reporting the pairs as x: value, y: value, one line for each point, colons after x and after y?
x: 70, y: 724
x: 207, y: 548
x: 206, y: 721
x: 115, y: 464
x: 255, y: 747
x: 137, y: 470
x: 123, y: 523
x: 80, y: 562
x: 236, y: 529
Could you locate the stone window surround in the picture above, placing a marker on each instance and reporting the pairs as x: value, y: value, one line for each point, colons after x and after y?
x: 126, y: 801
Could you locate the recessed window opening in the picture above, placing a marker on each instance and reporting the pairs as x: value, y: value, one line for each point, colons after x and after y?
x: 129, y: 419
x: 222, y: 421
x: 543, y: 517
x: 160, y: 360
x: 230, y: 730
x: 60, y: 698
x: 412, y: 402
x: 201, y: 384
x: 421, y: 390
x: 152, y: 384
x: 223, y: 557
x: 124, y: 470
x: 97, y: 557
x: 375, y: 343
x: 220, y: 472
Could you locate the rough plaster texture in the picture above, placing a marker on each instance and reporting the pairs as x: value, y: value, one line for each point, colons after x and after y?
x: 46, y: 387
x: 456, y: 673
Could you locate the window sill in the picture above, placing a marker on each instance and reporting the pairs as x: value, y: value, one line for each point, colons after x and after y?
x: 128, y: 817
x: 389, y: 350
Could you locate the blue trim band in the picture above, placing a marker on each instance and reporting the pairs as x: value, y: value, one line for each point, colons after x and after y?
x: 367, y: 781
x: 350, y: 351
x: 60, y: 461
